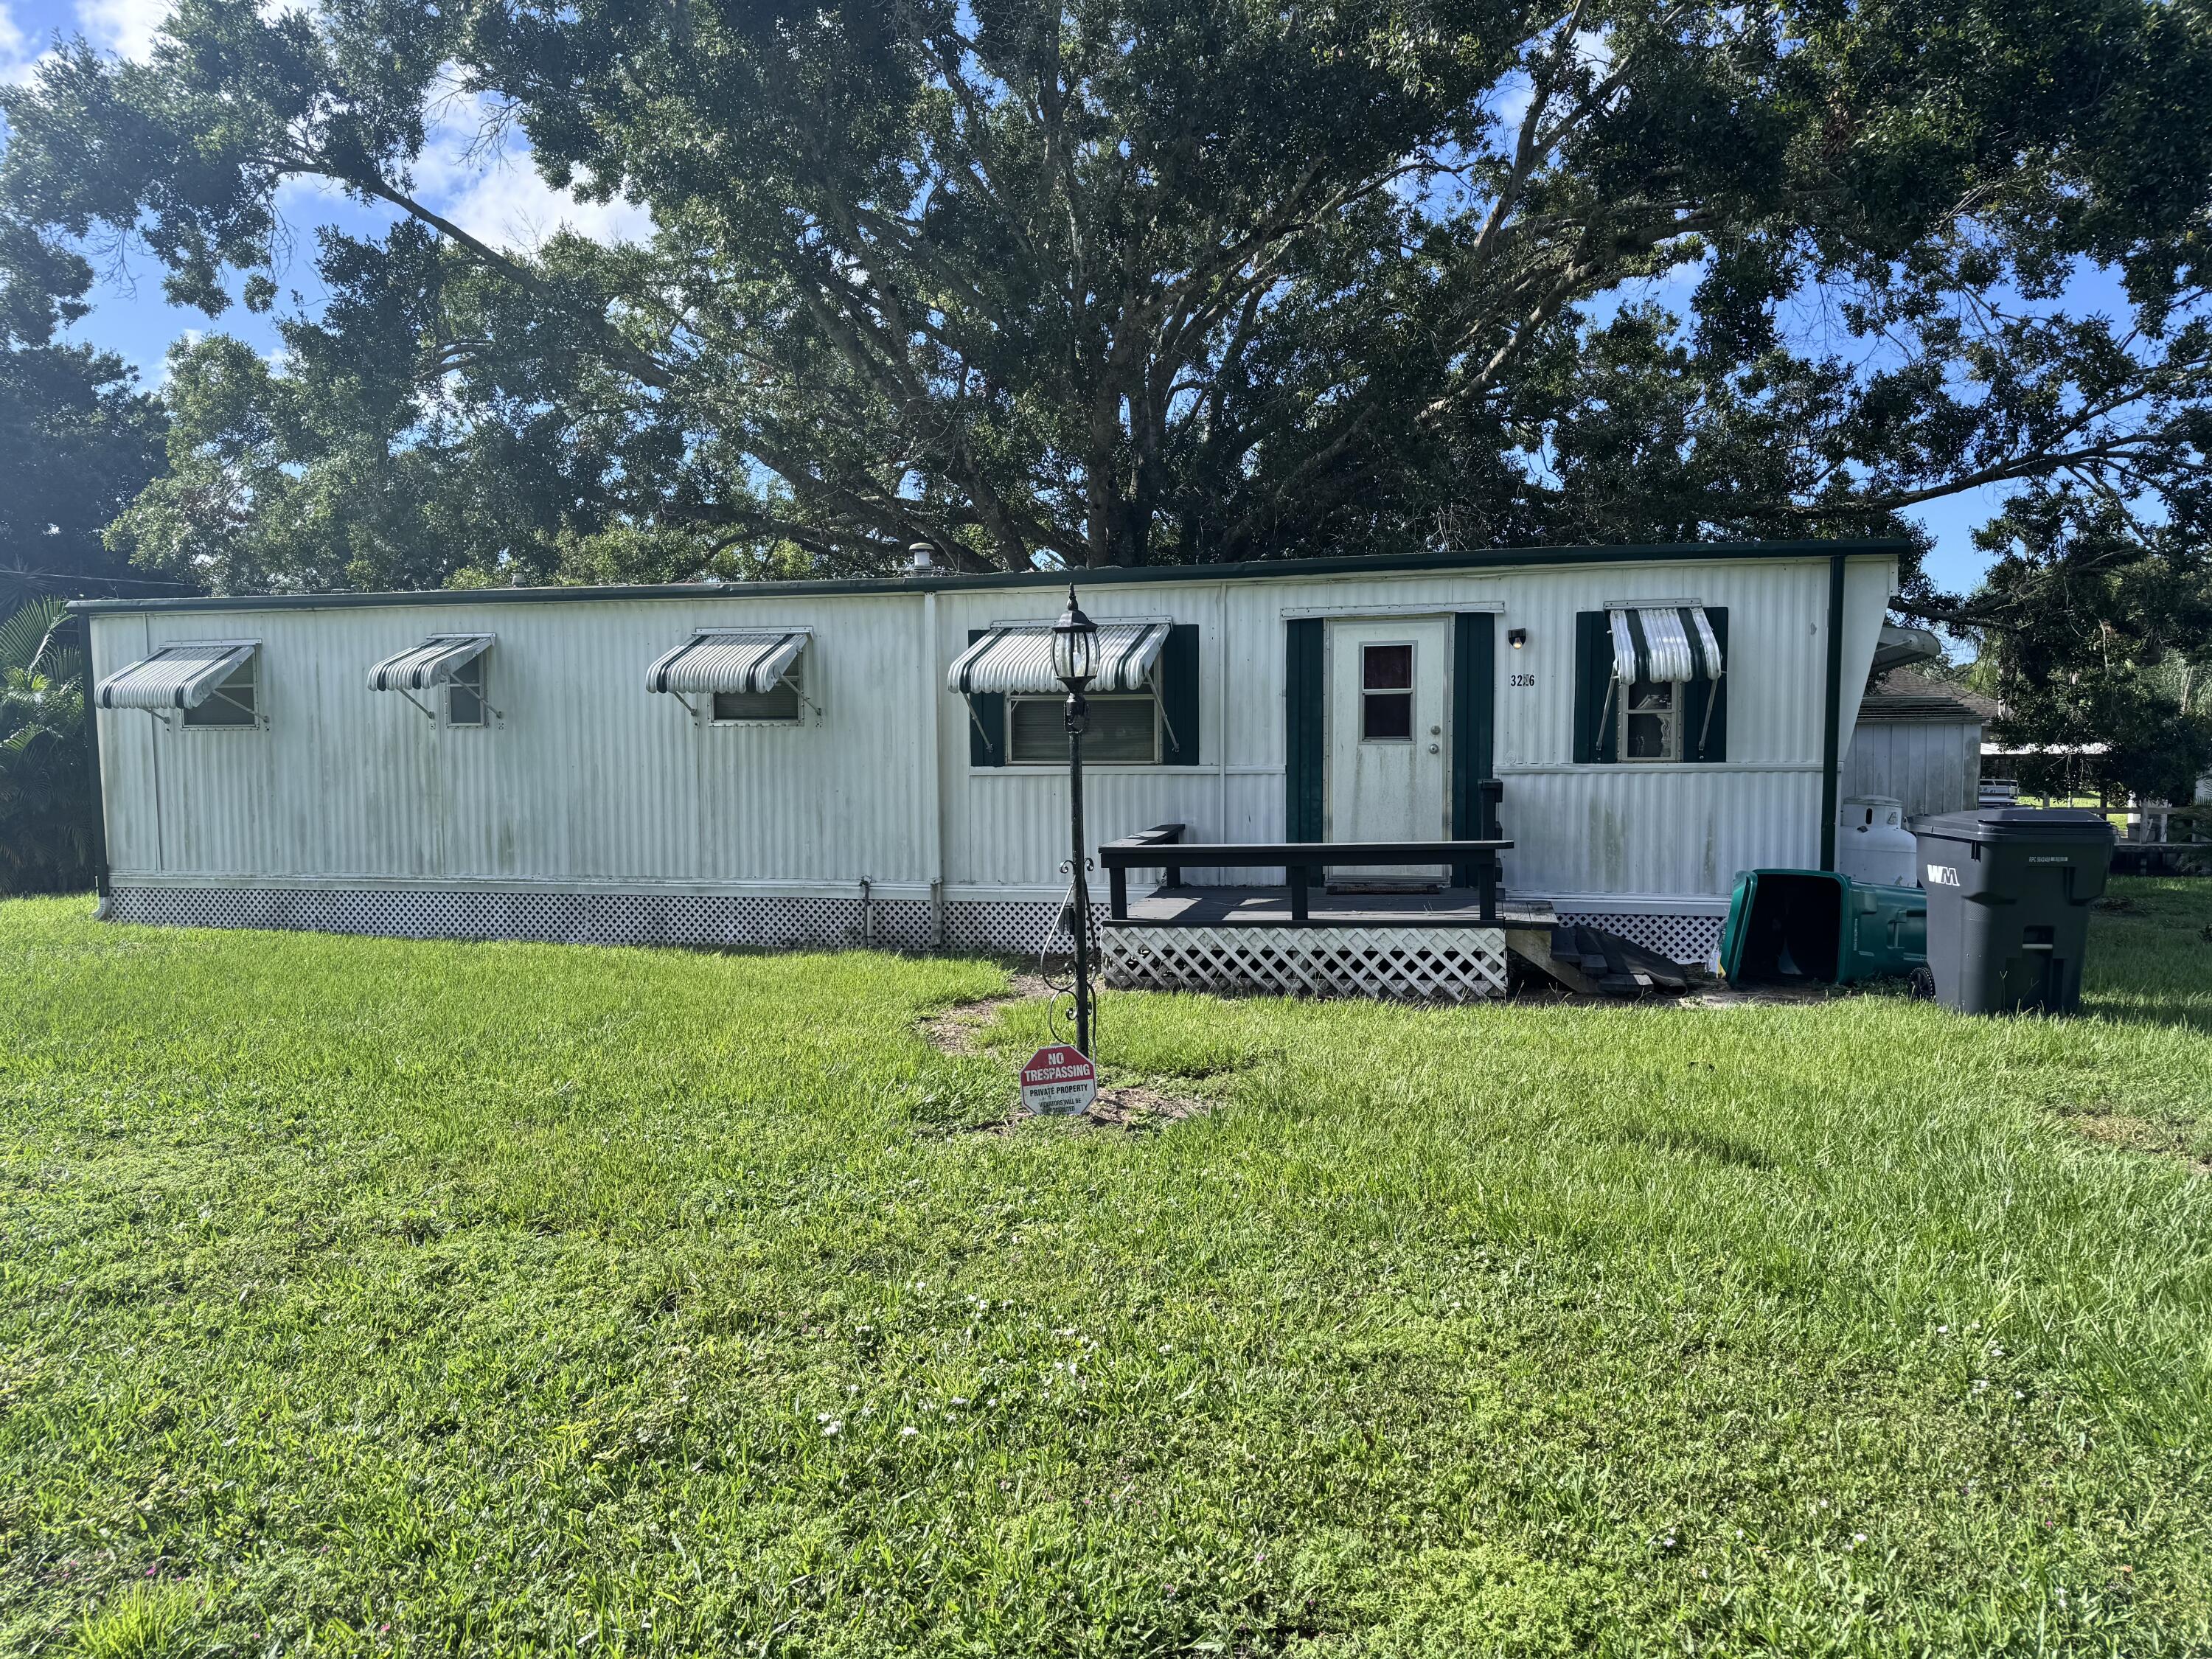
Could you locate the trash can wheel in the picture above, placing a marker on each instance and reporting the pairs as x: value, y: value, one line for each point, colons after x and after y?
x: 1923, y: 982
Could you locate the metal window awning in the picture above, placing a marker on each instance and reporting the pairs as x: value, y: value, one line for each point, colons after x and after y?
x: 1664, y: 642
x: 1016, y: 659
x: 433, y: 663
x: 175, y: 677
x: 727, y: 660
x: 1897, y: 647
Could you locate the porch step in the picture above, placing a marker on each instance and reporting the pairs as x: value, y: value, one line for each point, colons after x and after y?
x: 1593, y: 961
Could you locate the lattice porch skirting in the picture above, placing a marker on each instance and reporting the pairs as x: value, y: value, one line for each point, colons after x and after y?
x: 1679, y: 938
x: 1393, y: 963
x: 1012, y: 927
x: 700, y: 918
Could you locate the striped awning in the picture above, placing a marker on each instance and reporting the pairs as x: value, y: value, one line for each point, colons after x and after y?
x: 1018, y: 658
x: 1664, y: 643
x: 175, y: 677
x: 727, y: 660
x: 434, y: 662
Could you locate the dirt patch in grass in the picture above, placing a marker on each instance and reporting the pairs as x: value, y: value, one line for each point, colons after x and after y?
x: 1719, y: 994
x: 2136, y: 1134
x: 954, y: 1031
x: 1130, y: 1106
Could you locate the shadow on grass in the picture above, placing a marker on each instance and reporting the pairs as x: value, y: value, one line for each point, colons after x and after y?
x: 2150, y: 953
x: 1696, y: 1143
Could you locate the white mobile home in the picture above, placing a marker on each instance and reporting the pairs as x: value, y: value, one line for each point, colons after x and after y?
x: 882, y: 760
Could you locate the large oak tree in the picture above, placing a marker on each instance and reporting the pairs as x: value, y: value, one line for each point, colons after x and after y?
x: 1169, y: 280
x: 79, y: 439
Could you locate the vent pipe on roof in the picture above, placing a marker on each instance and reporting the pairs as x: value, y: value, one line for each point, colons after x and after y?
x: 918, y: 559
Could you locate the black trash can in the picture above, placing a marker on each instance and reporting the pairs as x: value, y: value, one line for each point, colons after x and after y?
x: 2009, y: 892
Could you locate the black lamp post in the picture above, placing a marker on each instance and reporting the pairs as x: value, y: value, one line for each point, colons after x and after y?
x: 1074, y: 663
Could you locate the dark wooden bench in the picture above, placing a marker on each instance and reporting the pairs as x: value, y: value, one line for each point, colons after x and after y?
x: 1162, y: 848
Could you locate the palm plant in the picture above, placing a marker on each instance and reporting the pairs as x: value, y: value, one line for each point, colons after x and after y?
x: 45, y: 784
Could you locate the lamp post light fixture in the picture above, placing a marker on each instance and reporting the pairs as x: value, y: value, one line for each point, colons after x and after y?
x: 1074, y: 663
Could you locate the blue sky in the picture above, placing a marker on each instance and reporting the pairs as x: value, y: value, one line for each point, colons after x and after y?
x: 493, y: 191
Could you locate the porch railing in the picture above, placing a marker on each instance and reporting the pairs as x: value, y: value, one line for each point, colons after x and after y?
x: 1162, y: 848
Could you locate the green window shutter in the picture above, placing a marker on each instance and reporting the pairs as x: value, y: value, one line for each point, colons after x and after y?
x: 1593, y: 681
x: 1708, y: 693
x: 1178, y: 672
x: 1304, y: 755
x: 989, y: 715
x: 1474, y: 699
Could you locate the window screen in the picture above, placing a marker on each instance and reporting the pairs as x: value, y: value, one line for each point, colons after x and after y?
x: 1123, y: 729
x: 1650, y: 715
x: 465, y: 695
x: 235, y: 702
x: 779, y: 702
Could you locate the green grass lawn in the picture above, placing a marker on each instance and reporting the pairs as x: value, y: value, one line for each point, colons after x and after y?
x: 359, y: 1296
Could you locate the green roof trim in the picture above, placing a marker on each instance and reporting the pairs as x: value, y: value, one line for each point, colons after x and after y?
x: 1511, y: 558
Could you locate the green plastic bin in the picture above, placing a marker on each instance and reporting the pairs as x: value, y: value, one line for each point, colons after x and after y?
x: 1812, y: 927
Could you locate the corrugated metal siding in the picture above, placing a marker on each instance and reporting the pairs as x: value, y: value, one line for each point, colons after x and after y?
x: 1641, y: 830
x: 583, y: 777
x: 1930, y: 766
x: 586, y: 778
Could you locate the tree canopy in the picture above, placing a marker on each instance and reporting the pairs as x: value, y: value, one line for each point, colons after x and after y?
x: 1131, y: 280
x: 48, y: 821
x: 78, y: 439
x: 1135, y: 280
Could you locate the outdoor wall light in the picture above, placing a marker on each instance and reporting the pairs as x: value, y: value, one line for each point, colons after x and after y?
x: 1074, y: 646
x: 1516, y: 637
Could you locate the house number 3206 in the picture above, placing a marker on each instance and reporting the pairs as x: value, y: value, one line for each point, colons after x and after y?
x: 1521, y: 679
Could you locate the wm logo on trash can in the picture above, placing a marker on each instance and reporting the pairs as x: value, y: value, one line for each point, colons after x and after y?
x: 1943, y: 875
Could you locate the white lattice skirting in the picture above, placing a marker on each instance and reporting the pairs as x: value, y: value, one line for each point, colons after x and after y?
x: 1013, y: 929
x: 1009, y: 927
x: 1678, y: 938
x: 1396, y: 964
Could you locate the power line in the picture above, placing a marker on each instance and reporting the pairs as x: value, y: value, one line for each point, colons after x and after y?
x: 83, y: 579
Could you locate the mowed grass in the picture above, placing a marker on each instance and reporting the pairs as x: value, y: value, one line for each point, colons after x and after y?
x: 362, y: 1296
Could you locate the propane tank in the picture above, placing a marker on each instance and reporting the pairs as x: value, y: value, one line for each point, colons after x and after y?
x: 1873, y: 844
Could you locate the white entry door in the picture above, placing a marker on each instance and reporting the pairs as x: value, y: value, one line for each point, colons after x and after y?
x: 1388, y: 744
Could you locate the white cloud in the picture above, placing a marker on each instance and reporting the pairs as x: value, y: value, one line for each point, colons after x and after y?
x: 127, y: 27
x: 1509, y: 101
x: 483, y: 179
x: 18, y: 54
x: 1594, y: 50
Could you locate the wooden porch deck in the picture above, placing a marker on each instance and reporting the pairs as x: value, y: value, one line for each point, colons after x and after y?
x: 1300, y: 938
x: 1186, y: 906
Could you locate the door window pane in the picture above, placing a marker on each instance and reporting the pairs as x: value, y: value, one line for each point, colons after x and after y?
x: 1386, y: 693
x: 1386, y: 667
x: 1386, y: 716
